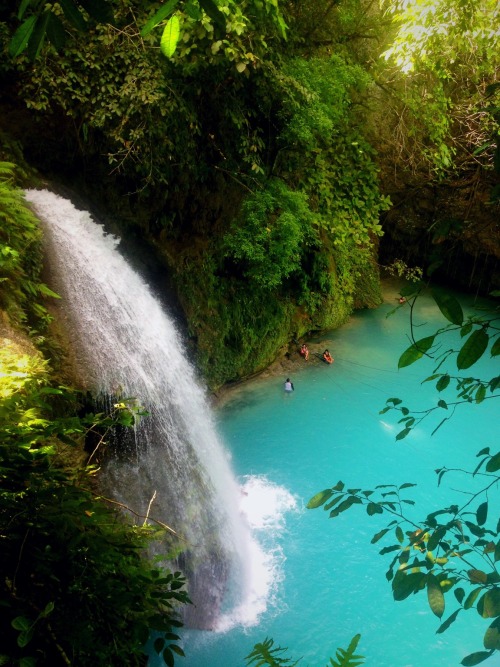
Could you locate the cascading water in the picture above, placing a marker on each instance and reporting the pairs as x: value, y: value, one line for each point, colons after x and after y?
x: 125, y: 344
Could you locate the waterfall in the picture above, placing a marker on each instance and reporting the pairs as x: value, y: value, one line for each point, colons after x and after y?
x: 124, y: 343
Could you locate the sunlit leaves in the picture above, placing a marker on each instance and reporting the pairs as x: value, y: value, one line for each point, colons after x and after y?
x: 170, y: 36
x: 319, y: 499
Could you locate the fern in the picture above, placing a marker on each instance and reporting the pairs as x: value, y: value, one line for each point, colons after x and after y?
x: 347, y: 658
x: 264, y: 654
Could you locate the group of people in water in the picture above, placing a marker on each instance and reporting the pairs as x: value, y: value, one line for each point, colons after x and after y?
x: 304, y: 352
x: 326, y: 356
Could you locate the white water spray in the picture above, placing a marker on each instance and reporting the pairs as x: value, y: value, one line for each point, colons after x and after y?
x: 124, y: 343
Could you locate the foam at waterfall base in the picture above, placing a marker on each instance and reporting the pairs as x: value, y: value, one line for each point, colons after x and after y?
x: 264, y: 506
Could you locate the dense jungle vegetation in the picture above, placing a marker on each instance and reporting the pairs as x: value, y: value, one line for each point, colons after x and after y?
x: 272, y: 154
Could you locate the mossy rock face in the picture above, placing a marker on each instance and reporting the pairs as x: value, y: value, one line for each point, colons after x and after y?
x: 237, y: 331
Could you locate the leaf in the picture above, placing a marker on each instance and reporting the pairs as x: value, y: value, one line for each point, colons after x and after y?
x: 472, y: 597
x: 402, y: 434
x: 168, y: 657
x: 404, y: 585
x: 494, y: 463
x: 43, y: 289
x: 21, y: 623
x: 495, y: 348
x: 73, y: 14
x: 319, y: 499
x: 170, y: 36
x: 435, y: 595
x: 373, y: 508
x: 451, y: 619
x: 473, y: 349
x: 345, y: 505
x: 20, y: 38
x: 480, y: 393
x: 379, y: 535
x: 57, y: 37
x: 436, y: 538
x: 449, y: 306
x: 22, y: 8
x: 475, y: 658
x: 492, y: 636
x: 415, y: 351
x: 443, y: 382
x: 164, y: 11
x: 491, y: 603
x: 37, y: 39
x: 482, y: 513
x: 477, y: 576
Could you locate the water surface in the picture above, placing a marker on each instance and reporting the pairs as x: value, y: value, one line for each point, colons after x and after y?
x: 323, y: 581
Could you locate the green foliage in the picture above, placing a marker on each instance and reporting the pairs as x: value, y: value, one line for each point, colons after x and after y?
x: 445, y: 51
x: 265, y: 653
x: 478, y: 334
x: 47, y: 22
x: 21, y: 290
x: 269, y: 239
x: 454, y: 548
x: 76, y: 587
x: 347, y: 658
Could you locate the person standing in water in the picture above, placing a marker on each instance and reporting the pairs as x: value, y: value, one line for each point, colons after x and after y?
x: 289, y: 386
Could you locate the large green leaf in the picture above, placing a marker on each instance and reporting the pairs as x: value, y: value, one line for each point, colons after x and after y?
x: 473, y: 349
x: 435, y: 595
x: 319, y: 499
x: 164, y: 11
x: 21, y: 37
x: 170, y: 36
x: 57, y: 37
x: 449, y: 306
x: 415, y: 351
x: 37, y: 39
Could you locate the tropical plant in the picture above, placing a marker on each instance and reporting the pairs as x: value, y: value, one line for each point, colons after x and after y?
x: 265, y: 653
